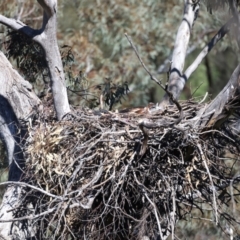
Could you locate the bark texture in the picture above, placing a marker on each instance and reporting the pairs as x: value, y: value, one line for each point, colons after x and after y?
x: 17, y: 101
x: 214, y: 112
x: 176, y: 78
x: 46, y: 37
x: 48, y: 41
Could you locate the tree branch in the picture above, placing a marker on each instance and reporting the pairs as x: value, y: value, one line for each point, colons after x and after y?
x: 17, y: 101
x: 220, y: 34
x: 211, y: 181
x: 164, y: 67
x: 49, y: 6
x: 214, y: 111
x: 23, y: 184
x: 47, y: 38
x: 171, y: 97
x: 21, y: 27
x: 176, y: 79
x: 53, y: 57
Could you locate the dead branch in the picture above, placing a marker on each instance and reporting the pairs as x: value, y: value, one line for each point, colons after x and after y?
x: 107, y: 177
x: 22, y: 184
x: 171, y: 97
x: 220, y: 108
x: 220, y: 34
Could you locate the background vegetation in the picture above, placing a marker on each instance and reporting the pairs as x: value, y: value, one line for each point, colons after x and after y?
x: 97, y: 54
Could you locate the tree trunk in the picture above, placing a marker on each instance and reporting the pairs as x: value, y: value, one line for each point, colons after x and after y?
x: 176, y: 78
x: 48, y: 41
x: 17, y: 100
x: 46, y: 37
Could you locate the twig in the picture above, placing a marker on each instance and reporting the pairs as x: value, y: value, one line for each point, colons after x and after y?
x: 196, y: 89
x: 22, y: 184
x: 155, y: 213
x: 157, y: 81
x: 153, y: 204
x: 204, y: 98
x: 144, y: 66
x: 232, y: 195
x: 214, y: 130
x: 89, y: 184
x: 210, y: 178
x: 58, y: 225
x: 29, y: 217
x: 173, y: 212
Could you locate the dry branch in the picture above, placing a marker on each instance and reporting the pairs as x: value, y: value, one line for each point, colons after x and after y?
x: 220, y: 34
x: 109, y: 188
x: 170, y: 95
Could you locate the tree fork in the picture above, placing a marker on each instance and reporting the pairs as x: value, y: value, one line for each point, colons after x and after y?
x: 46, y: 37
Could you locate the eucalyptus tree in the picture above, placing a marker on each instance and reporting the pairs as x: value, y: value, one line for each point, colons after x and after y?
x: 18, y: 100
x: 22, y: 99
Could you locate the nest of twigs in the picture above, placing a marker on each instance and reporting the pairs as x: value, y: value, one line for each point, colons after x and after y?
x: 108, y: 175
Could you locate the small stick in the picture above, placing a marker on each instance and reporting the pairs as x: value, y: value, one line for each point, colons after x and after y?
x: 211, y: 181
x: 22, y: 184
x: 157, y: 81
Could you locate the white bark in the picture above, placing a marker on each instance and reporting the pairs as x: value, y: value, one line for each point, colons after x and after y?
x: 214, y: 111
x: 12, y: 230
x: 46, y: 37
x: 220, y: 34
x: 9, y: 199
x: 48, y: 41
x: 17, y: 101
x: 176, y: 78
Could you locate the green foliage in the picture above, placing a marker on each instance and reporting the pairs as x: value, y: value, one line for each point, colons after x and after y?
x: 97, y: 58
x: 28, y: 54
x: 113, y: 93
x: 95, y: 30
x: 217, y: 4
x: 101, y: 39
x: 96, y: 35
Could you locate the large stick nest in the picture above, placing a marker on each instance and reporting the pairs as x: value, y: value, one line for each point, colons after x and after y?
x: 107, y: 175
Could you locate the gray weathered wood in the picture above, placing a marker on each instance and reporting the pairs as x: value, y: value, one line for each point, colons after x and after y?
x: 17, y: 101
x: 46, y: 37
x: 176, y: 79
